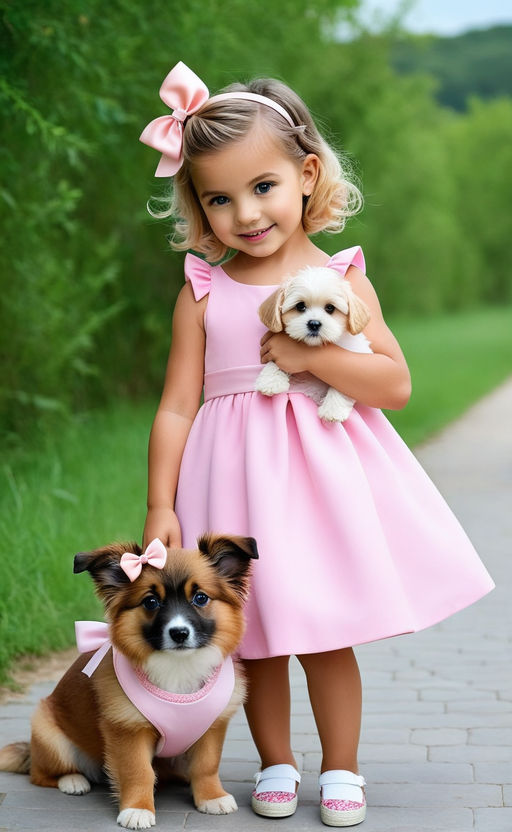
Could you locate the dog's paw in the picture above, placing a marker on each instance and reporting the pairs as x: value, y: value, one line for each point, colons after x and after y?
x: 219, y: 806
x: 272, y: 380
x: 74, y: 784
x: 328, y: 413
x: 136, y: 818
x: 335, y: 407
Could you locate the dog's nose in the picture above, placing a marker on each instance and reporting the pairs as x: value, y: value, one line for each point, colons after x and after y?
x: 314, y: 325
x: 179, y: 634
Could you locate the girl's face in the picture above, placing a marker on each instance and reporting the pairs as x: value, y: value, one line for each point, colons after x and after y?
x: 251, y: 192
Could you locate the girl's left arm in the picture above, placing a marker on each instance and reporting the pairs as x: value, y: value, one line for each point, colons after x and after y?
x: 380, y: 379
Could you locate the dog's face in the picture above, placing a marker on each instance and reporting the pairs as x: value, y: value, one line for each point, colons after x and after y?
x: 194, y: 602
x: 315, y: 306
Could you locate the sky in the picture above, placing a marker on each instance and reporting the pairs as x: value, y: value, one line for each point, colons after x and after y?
x: 445, y: 17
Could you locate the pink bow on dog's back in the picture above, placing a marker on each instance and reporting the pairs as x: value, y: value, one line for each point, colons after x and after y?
x: 184, y: 93
x: 92, y: 635
x: 155, y: 555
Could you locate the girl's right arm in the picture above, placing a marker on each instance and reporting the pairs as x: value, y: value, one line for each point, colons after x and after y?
x: 176, y: 412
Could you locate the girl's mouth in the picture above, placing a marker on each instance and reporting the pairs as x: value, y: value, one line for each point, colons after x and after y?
x: 255, y: 236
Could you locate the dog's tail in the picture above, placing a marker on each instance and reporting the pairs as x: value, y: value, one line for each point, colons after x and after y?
x: 15, y: 757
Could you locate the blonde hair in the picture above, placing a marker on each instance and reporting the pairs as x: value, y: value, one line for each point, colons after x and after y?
x: 335, y: 197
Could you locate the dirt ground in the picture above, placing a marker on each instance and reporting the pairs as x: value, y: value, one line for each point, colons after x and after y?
x: 31, y: 669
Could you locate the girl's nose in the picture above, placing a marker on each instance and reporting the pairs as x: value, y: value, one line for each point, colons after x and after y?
x: 248, y: 212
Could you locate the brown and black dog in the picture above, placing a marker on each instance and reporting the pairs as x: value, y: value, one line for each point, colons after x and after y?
x: 173, y: 628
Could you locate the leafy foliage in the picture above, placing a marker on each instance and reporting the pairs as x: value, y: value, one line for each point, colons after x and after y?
x: 88, y: 289
x: 88, y: 281
x: 475, y: 63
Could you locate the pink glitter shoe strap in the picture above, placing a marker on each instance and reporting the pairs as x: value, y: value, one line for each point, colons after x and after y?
x: 275, y: 797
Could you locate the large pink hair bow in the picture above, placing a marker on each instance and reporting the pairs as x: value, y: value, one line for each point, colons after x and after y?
x: 184, y: 93
x: 155, y: 555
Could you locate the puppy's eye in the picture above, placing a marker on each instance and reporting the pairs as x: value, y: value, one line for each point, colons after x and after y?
x: 300, y: 306
x: 200, y: 599
x: 329, y: 308
x: 151, y: 603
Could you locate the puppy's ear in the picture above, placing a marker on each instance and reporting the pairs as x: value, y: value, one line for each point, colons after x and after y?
x: 103, y: 565
x: 270, y: 311
x: 231, y: 558
x: 358, y: 313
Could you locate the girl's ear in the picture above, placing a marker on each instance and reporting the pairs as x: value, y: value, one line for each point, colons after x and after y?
x: 310, y: 172
x: 270, y: 311
x: 358, y: 313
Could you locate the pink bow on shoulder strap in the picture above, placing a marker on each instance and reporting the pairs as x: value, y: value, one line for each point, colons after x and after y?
x: 184, y: 93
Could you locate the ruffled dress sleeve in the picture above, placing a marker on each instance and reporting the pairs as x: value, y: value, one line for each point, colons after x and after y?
x: 348, y: 257
x: 199, y: 274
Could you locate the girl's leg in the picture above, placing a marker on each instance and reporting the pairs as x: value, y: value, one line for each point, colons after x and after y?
x: 268, y: 709
x: 334, y: 686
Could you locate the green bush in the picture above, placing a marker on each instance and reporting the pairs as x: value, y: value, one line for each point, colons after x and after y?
x: 88, y: 280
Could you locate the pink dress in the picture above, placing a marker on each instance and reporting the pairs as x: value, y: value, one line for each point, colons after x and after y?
x: 355, y: 541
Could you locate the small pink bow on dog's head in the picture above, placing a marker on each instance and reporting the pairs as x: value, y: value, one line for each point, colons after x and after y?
x: 155, y: 555
x: 184, y: 93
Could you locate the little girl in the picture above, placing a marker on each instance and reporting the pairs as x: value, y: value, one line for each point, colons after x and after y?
x: 355, y: 542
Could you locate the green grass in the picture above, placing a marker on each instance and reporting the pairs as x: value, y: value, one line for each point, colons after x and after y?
x: 454, y: 361
x: 87, y: 485
x: 84, y: 488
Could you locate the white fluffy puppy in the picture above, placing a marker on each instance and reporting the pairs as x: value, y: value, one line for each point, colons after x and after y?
x: 316, y: 306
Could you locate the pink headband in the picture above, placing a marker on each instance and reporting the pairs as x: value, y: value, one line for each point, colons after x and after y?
x: 185, y: 93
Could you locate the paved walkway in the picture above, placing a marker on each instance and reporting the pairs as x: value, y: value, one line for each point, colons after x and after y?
x: 436, y: 746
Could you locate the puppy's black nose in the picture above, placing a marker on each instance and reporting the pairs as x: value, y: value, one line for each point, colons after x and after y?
x: 179, y: 634
x: 314, y: 326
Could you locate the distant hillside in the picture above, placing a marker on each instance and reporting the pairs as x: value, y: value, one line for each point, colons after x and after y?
x: 478, y: 62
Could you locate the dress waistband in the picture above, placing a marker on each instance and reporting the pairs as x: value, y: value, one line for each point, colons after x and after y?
x: 231, y: 381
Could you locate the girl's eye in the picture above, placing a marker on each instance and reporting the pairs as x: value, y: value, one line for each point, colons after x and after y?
x: 329, y: 308
x: 151, y: 603
x: 218, y: 200
x: 300, y: 306
x: 263, y: 187
x: 200, y: 599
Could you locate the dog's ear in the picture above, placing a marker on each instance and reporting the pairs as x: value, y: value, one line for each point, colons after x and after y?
x: 270, y: 311
x: 103, y: 565
x: 358, y: 313
x: 231, y: 557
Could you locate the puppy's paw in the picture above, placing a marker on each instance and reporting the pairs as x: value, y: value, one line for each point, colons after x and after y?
x: 136, y: 818
x: 334, y: 414
x: 335, y: 407
x: 74, y: 784
x: 272, y: 380
x: 219, y: 806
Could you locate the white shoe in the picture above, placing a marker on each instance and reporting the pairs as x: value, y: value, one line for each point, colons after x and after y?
x: 342, y: 799
x: 275, y: 795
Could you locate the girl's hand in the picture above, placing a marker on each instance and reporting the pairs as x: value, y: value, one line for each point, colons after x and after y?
x: 164, y: 524
x: 289, y: 355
